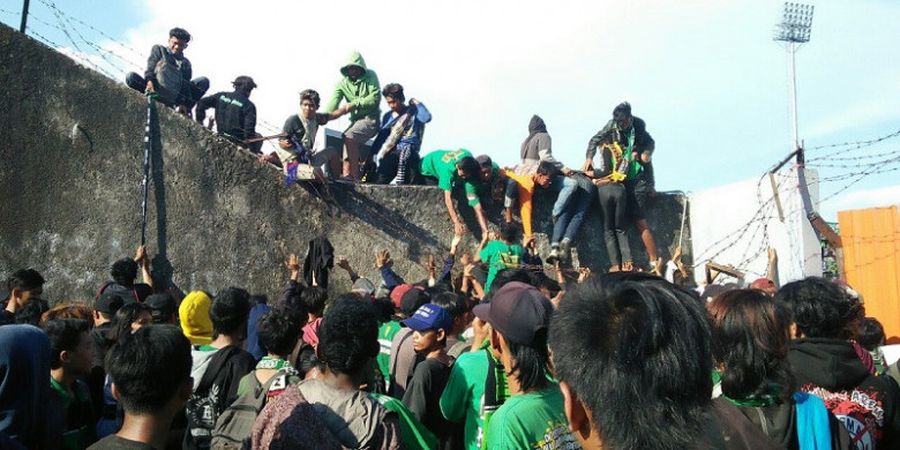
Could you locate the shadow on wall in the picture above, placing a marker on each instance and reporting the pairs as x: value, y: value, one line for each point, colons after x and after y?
x: 162, y: 267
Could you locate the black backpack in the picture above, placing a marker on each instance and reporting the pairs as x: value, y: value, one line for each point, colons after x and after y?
x: 202, y: 409
x: 235, y: 424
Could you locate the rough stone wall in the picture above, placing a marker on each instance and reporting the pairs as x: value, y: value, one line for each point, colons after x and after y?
x: 70, y: 178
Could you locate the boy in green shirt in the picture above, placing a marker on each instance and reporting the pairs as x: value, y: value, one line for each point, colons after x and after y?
x: 534, y: 415
x: 71, y: 354
x: 448, y: 168
x: 503, y: 253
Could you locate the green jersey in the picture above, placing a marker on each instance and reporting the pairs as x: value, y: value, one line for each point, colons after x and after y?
x: 413, y: 434
x: 534, y: 420
x: 499, y: 255
x: 441, y: 164
x: 463, y: 397
x: 385, y: 336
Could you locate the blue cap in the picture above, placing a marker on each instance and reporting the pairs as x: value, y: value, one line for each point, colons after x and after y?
x: 429, y: 317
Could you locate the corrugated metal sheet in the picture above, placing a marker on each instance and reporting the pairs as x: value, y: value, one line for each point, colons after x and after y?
x: 871, y: 240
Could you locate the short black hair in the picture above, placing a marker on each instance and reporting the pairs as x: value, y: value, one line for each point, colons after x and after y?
x: 509, y: 231
x: 314, y: 298
x: 307, y: 361
x: 504, y: 276
x: 229, y: 311
x: 311, y: 95
x: 636, y: 352
x: 348, y: 335
x: 122, y: 320
x: 540, y: 280
x: 870, y: 334
x: 622, y: 110
x: 750, y: 340
x: 124, y: 271
x: 470, y: 167
x: 26, y: 279
x: 453, y: 303
x: 30, y: 313
x: 64, y: 335
x: 149, y: 367
x: 394, y: 91
x: 547, y: 168
x: 180, y: 34
x: 819, y: 307
x: 278, y: 332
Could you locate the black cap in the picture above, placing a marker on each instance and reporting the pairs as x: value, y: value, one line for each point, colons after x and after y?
x: 244, y: 80
x: 484, y: 161
x: 108, y: 303
x: 518, y: 311
x: 412, y: 300
x: 161, y: 305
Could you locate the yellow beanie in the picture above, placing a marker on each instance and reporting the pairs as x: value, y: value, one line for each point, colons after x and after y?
x: 194, y: 316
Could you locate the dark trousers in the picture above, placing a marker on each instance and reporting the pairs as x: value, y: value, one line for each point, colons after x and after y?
x: 613, y: 204
x: 390, y: 165
x: 190, y: 94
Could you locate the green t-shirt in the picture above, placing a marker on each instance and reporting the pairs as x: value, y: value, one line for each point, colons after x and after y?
x: 413, y: 434
x: 535, y: 420
x: 499, y: 255
x: 463, y: 397
x: 441, y: 164
x: 385, y: 336
x: 77, y: 407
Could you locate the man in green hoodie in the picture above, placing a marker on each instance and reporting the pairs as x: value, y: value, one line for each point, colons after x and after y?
x: 360, y: 88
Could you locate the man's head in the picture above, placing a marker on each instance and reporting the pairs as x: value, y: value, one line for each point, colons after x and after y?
x: 309, y: 103
x: 870, y: 334
x: 431, y: 325
x: 279, y: 332
x: 632, y: 352
x: 622, y: 115
x: 163, y: 309
x: 348, y: 337
x: 468, y: 169
x: 178, y: 40
x: 393, y: 95
x: 129, y: 319
x: 458, y: 308
x: 71, y: 346
x: 23, y: 285
x: 354, y: 72
x: 509, y: 232
x: 193, y: 315
x: 819, y: 308
x: 545, y: 173
x: 314, y: 298
x: 765, y: 285
x: 105, y: 307
x: 244, y: 84
x: 486, y: 167
x: 412, y: 300
x: 151, y: 370
x: 229, y: 313
x: 124, y: 271
x: 519, y: 316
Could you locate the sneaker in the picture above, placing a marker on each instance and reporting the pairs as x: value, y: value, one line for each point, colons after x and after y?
x: 553, y: 257
x: 565, y: 248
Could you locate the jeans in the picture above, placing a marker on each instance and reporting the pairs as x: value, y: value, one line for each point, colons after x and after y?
x: 613, y: 204
x: 574, y: 198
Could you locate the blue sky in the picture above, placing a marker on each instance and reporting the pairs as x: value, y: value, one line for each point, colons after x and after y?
x: 705, y: 75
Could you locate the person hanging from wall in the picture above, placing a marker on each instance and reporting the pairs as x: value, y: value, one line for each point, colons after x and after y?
x: 521, y: 188
x: 630, y: 133
x: 609, y: 176
x: 448, y: 168
x: 169, y: 73
x: 235, y: 113
x: 400, y: 138
x: 359, y: 87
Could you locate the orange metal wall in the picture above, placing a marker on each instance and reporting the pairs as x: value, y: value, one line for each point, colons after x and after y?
x: 871, y: 241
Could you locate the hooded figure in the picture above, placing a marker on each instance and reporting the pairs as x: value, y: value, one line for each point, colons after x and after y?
x: 363, y: 93
x: 25, y: 388
x: 537, y: 147
x: 194, y: 317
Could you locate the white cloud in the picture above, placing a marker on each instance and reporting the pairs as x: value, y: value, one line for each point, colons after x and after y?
x: 861, y: 199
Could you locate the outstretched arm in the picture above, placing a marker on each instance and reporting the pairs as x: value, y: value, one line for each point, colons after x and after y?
x: 458, y: 228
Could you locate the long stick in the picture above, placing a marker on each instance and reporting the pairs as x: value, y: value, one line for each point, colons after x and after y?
x: 148, y: 143
x: 24, y: 17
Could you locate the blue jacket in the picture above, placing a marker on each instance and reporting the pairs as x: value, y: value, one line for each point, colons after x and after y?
x: 413, y: 138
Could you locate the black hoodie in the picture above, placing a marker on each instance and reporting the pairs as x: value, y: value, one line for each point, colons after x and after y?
x: 865, y: 404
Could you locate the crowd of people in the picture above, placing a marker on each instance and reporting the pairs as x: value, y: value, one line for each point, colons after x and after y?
x: 385, y: 149
x: 476, y: 356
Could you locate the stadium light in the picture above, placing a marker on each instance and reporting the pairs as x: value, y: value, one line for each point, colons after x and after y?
x: 795, y: 29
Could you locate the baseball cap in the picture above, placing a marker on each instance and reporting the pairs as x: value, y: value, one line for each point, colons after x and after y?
x: 244, y: 80
x: 762, y: 283
x: 108, y: 303
x: 412, y: 300
x: 162, y: 306
x: 429, y: 317
x: 398, y: 292
x: 363, y: 286
x: 518, y: 311
x: 484, y: 160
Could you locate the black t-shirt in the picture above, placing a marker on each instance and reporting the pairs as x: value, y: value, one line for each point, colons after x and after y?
x: 113, y: 442
x: 423, y: 394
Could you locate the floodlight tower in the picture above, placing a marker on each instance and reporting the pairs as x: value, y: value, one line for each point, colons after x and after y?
x: 794, y: 29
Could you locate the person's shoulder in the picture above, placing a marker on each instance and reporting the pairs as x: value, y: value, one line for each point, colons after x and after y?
x: 113, y: 442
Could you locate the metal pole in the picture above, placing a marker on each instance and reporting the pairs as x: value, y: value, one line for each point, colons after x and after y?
x: 24, y: 17
x: 792, y: 68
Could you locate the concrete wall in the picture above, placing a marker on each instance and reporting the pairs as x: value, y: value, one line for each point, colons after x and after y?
x: 70, y: 178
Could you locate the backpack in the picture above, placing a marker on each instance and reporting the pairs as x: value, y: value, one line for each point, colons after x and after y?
x: 235, y: 424
x: 169, y: 80
x: 202, y: 409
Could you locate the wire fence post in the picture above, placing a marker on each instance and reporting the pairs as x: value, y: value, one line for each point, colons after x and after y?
x: 24, y: 17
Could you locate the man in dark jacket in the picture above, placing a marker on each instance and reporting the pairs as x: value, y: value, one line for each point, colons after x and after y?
x: 235, y: 113
x: 163, y: 65
x: 825, y: 363
x: 631, y: 134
